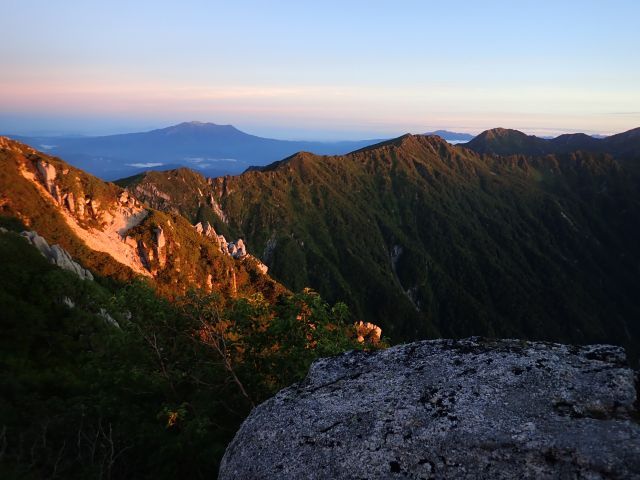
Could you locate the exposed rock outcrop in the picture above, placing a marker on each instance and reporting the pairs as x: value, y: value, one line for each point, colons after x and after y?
x: 96, y: 212
x: 107, y: 229
x: 235, y: 249
x: 160, y: 246
x: 69, y: 202
x: 222, y: 244
x: 206, y: 229
x: 152, y: 192
x: 48, y: 173
x: 144, y: 254
x: 449, y: 409
x: 240, y: 248
x: 56, y: 255
x: 209, y: 231
x: 217, y: 209
x: 262, y: 268
x: 108, y: 319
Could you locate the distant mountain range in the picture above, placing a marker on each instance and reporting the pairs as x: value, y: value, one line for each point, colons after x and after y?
x: 217, y: 150
x: 429, y: 239
x: 422, y: 237
x: 503, y: 141
x: 451, y: 136
x: 211, y: 149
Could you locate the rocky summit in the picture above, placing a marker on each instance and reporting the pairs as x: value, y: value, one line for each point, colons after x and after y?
x: 440, y: 409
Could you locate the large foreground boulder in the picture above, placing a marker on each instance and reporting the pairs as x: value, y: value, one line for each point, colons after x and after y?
x: 449, y: 409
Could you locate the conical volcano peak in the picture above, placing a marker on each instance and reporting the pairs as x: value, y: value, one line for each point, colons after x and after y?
x: 196, y: 126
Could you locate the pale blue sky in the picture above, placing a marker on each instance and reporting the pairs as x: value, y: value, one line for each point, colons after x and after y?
x: 296, y: 69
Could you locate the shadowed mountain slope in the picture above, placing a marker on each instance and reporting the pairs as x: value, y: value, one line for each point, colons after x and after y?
x: 429, y: 239
x: 503, y: 141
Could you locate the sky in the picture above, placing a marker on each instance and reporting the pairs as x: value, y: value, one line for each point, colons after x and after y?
x: 320, y: 70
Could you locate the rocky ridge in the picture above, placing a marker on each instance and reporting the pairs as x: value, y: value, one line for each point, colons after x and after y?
x: 108, y: 230
x: 97, y: 213
x: 236, y: 249
x: 441, y: 409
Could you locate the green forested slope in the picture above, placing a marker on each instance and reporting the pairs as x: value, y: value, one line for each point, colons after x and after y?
x: 158, y: 396
x: 428, y: 239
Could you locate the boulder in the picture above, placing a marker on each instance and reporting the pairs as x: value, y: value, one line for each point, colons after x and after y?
x: 446, y: 409
x: 132, y: 242
x: 106, y: 218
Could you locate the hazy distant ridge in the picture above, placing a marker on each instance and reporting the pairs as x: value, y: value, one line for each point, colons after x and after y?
x: 218, y: 150
x: 212, y: 149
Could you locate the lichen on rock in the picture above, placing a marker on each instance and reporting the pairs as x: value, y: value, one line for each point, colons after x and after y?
x: 447, y: 409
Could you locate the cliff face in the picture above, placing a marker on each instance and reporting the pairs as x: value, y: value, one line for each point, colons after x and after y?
x: 112, y: 233
x: 87, y: 217
x: 449, y: 409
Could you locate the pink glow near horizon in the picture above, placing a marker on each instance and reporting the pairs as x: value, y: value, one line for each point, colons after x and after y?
x: 378, y: 108
x: 338, y: 68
